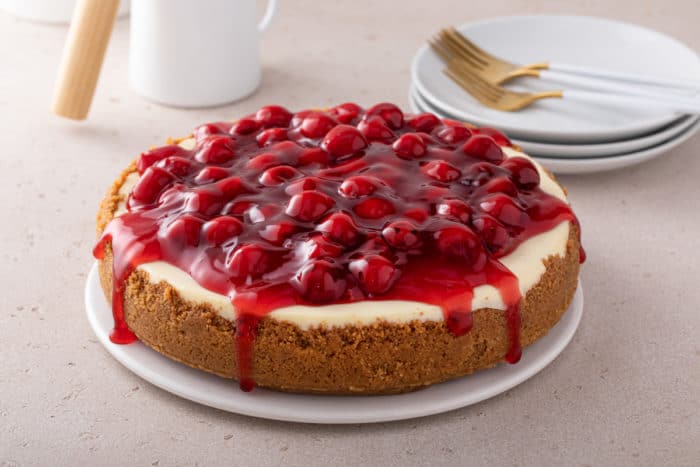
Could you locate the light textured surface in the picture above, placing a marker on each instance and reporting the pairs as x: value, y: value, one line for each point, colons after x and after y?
x: 625, y: 392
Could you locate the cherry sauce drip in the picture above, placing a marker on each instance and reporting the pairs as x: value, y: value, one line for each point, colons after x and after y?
x: 333, y: 206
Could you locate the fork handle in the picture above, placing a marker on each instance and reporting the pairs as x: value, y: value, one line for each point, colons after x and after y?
x: 683, y: 84
x: 691, y: 106
x: 618, y: 87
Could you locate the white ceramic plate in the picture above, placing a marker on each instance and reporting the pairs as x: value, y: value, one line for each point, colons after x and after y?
x: 604, y: 164
x: 596, y: 164
x: 578, y: 40
x: 213, y: 391
x: 578, y: 151
x: 562, y: 151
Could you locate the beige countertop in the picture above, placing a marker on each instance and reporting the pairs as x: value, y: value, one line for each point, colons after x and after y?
x: 625, y: 392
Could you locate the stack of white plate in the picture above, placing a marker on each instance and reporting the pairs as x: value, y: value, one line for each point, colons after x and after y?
x: 568, y: 136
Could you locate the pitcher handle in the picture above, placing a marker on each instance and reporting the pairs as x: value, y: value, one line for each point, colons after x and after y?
x: 267, y: 17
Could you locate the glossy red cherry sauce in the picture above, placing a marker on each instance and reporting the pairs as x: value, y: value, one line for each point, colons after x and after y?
x: 333, y: 206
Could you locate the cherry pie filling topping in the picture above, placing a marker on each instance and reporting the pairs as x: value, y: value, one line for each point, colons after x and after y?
x: 333, y: 206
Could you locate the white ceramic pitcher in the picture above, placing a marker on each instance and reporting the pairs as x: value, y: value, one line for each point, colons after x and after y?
x: 196, y: 53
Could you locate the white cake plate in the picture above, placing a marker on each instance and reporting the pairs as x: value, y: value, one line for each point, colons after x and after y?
x: 207, y: 389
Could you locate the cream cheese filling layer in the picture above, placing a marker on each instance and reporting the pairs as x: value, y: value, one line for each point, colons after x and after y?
x: 526, y: 262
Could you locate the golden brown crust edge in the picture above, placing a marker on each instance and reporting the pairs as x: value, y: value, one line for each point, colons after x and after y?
x: 382, y: 358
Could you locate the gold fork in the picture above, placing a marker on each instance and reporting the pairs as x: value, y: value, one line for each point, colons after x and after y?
x: 492, y: 68
x: 499, y: 71
x: 492, y: 95
x: 489, y: 94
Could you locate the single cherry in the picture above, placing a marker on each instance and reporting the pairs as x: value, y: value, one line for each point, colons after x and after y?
x: 205, y: 201
x: 492, y: 232
x: 231, y: 187
x: 418, y: 214
x: 358, y: 186
x: 237, y: 208
x: 210, y: 174
x: 270, y: 136
x: 503, y: 208
x: 375, y: 245
x: 347, y: 112
x: 375, y: 129
x: 497, y: 136
x: 257, y: 214
x: 320, y: 281
x: 178, y: 166
x: 523, y: 172
x: 150, y: 185
x: 263, y: 161
x: 500, y: 185
x: 308, y: 206
x: 299, y: 117
x: 433, y: 194
x: 278, y: 233
x: 278, y: 175
x: 320, y: 247
x: 340, y: 228
x: 185, y: 230
x: 249, y: 260
x: 314, y: 156
x: 375, y: 273
x: 458, y: 241
x: 390, y: 113
x: 374, y: 208
x: 480, y: 173
x: 441, y: 171
x: 172, y: 196
x: 483, y: 147
x: 221, y: 229
x: 302, y: 184
x: 402, y: 235
x: 316, y: 125
x: 409, y: 146
x: 216, y: 149
x: 454, y: 134
x: 455, y: 209
x: 245, y: 126
x: 273, y: 116
x: 208, y: 129
x: 343, y: 140
x: 344, y: 168
x: 424, y: 122
x: 149, y: 158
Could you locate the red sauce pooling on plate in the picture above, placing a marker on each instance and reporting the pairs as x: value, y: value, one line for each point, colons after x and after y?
x: 333, y: 206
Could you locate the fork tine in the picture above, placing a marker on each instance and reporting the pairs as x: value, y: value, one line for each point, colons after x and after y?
x: 475, y: 49
x: 493, y: 95
x: 437, y: 48
x: 509, y: 105
x: 462, y: 83
x: 459, y: 52
x: 487, y: 56
x: 485, y: 87
x: 452, y: 37
x: 440, y: 49
x: 467, y: 86
x: 474, y: 87
x: 475, y: 84
x: 496, y: 90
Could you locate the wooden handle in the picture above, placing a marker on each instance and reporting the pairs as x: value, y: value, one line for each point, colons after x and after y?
x: 84, y: 52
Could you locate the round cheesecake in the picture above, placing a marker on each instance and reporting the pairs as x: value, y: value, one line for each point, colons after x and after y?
x: 338, y: 251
